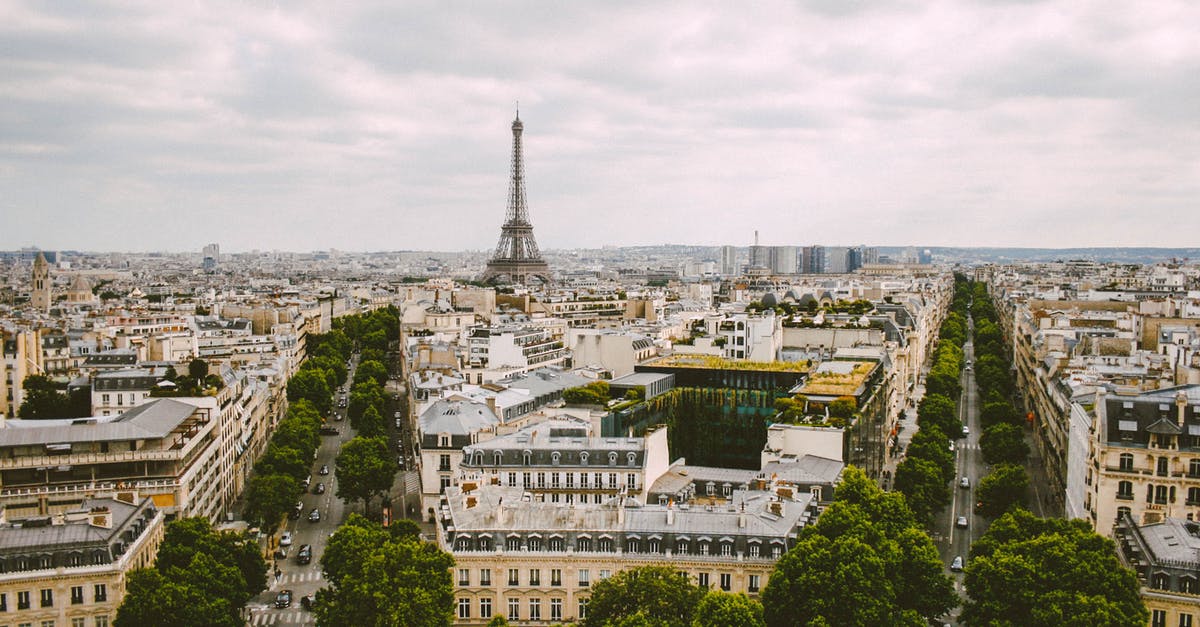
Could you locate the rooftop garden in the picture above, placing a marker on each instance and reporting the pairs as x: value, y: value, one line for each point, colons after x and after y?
x: 720, y: 363
x: 838, y: 384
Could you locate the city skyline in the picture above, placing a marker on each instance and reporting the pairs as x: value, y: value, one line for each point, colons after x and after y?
x: 1052, y: 124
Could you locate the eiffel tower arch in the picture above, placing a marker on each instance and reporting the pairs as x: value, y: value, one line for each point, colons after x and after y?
x: 516, y: 258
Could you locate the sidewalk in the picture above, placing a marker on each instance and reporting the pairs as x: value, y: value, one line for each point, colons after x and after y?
x: 908, y: 427
x: 1042, y: 501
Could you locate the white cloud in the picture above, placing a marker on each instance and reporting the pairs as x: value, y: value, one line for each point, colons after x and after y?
x: 385, y: 126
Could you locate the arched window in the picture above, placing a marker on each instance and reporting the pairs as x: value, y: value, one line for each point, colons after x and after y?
x: 612, y: 458
x: 512, y: 543
x: 633, y: 545
x: 1188, y: 584
x: 1160, y: 581
x: 462, y: 543
x: 478, y: 458
x: 526, y: 458
x: 1123, y: 511
x: 682, y: 547
x: 497, y: 457
x: 583, y: 543
x: 555, y: 457
x: 1126, y: 462
x: 583, y: 457
x: 485, y: 543
x: 535, y: 543
x: 631, y: 457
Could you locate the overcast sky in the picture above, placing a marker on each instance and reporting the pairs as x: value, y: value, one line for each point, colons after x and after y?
x: 301, y: 126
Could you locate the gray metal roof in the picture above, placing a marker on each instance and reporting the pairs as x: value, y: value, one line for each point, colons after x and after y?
x: 457, y: 418
x: 152, y: 421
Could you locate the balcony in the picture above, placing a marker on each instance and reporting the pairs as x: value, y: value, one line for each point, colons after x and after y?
x: 87, y: 459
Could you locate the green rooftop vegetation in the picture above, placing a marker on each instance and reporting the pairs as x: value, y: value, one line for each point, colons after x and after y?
x: 835, y: 384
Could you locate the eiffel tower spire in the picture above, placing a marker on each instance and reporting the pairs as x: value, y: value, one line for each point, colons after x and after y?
x: 516, y: 259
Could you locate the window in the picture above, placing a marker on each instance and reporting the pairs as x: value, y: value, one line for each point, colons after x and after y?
x: 526, y: 480
x: 1162, y: 468
x: 702, y: 580
x: 556, y: 480
x: 605, y: 545
x: 1187, y: 583
x: 526, y: 458
x: 1125, y: 490
x: 443, y: 441
x: 612, y: 481
x: 776, y: 551
x: 541, y: 480
x: 1193, y: 496
x: 555, y: 577
x: 726, y: 549
x: 47, y: 623
x: 704, y: 548
x: 1158, y: 618
x: 485, y: 608
x: 584, y: 544
x: 47, y: 597
x: 1160, y: 494
x: 681, y: 547
x: 464, y: 577
x: 754, y: 548
x: 726, y: 581
x: 535, y: 543
x: 604, y: 573
x: 654, y: 545
x: 1194, y: 467
x: 753, y: 583
x: 583, y: 578
x: 512, y: 543
x: 514, y: 609
x: 535, y: 609
x: 1185, y: 620
x: 76, y: 595
x: 631, y: 481
x: 583, y: 608
x: 598, y: 479
x: 1123, y: 511
x: 555, y: 609
x: 514, y: 577
x: 444, y: 463
x: 101, y: 621
x: 485, y: 576
x: 512, y: 479
x: 583, y: 480
x: 464, y: 608
x: 570, y: 479
x: 1160, y: 581
x: 3, y: 602
x: 556, y: 544
x: 535, y: 577
x: 612, y: 459
x: 632, y: 545
x: 444, y: 480
x: 78, y: 622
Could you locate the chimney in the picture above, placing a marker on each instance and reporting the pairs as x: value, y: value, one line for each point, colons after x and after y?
x: 1181, y: 406
x: 100, y: 517
x: 671, y: 512
x: 777, y: 508
x: 620, y: 509
x: 742, y: 516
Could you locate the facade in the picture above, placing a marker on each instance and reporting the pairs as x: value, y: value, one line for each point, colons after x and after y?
x: 71, y: 569
x: 535, y: 561
x: 1146, y: 457
x: 504, y: 349
x: 166, y: 450
x: 116, y: 391
x: 729, y: 261
x: 1165, y: 557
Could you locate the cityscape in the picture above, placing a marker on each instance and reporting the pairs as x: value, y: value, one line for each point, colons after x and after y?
x: 591, y: 368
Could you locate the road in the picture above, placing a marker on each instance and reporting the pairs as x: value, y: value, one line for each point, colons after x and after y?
x: 953, y: 541
x: 307, y: 579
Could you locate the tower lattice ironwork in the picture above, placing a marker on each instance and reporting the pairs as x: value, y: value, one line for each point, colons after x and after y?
x: 516, y: 259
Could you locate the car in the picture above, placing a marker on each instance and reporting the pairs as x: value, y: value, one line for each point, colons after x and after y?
x: 319, y: 489
x: 328, y: 430
x: 315, y: 516
x: 283, y: 599
x: 338, y: 417
x: 966, y: 430
x: 957, y: 564
x: 307, y: 482
x: 304, y: 556
x: 960, y: 522
x: 281, y: 553
x: 968, y: 368
x: 324, y: 470
x: 306, y: 601
x: 951, y: 447
x: 285, y: 539
x: 964, y: 483
x: 297, y: 509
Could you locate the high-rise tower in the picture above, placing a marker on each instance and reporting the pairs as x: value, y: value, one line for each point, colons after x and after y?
x: 40, y: 292
x: 516, y: 259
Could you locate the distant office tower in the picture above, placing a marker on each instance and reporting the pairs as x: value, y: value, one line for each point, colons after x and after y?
x: 925, y: 256
x: 40, y: 292
x: 783, y: 260
x: 759, y: 255
x: 813, y: 260
x: 854, y: 258
x: 212, y: 256
x: 837, y: 259
x: 729, y: 265
x: 870, y: 255
x: 516, y: 259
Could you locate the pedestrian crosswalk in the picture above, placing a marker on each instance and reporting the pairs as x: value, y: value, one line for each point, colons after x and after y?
x: 270, y: 616
x: 412, y: 482
x: 299, y: 577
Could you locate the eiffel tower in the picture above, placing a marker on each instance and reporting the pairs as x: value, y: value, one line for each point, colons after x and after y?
x: 516, y: 259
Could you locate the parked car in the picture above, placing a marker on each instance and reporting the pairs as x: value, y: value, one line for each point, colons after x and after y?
x: 966, y: 430
x: 281, y: 553
x: 283, y: 599
x: 285, y: 539
x: 964, y: 483
x: 304, y: 556
x: 306, y: 602
x: 957, y: 564
x: 328, y: 430
x: 315, y: 516
x: 299, y: 507
x: 324, y: 470
x: 319, y: 489
x: 307, y: 482
x: 961, y: 522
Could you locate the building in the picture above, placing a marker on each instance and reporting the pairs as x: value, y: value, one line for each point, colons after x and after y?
x: 535, y: 561
x: 729, y: 261
x: 211, y: 257
x: 1166, y: 557
x: 116, y: 391
x: 167, y: 450
x: 446, y: 427
x: 1146, y: 457
x: 495, y: 351
x: 812, y: 260
x: 77, y: 560
x: 783, y: 260
x: 39, y: 289
x: 70, y: 569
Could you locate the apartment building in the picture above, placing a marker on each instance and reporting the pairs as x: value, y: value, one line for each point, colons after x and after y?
x: 1165, y: 557
x: 71, y: 568
x: 535, y: 561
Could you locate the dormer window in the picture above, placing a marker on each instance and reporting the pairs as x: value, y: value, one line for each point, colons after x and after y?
x: 630, y: 458
x: 583, y: 458
x: 555, y: 457
x: 612, y: 459
x: 526, y: 458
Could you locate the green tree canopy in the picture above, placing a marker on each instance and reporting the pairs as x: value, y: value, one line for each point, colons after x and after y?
x: 364, y: 469
x: 1002, y: 489
x: 721, y: 609
x: 380, y: 580
x: 268, y: 498
x: 865, y: 561
x: 45, y: 399
x: 658, y: 591
x: 1030, y: 571
x: 373, y: 370
x: 312, y: 385
x: 1004, y: 443
x: 924, y: 487
x: 198, y: 370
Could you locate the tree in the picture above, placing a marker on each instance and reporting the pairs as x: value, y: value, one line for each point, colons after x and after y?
x: 153, y: 600
x: 997, y: 412
x: 865, y: 561
x: 498, y: 621
x: 269, y: 497
x: 283, y: 460
x: 370, y: 423
x: 1002, y: 489
x: 197, y: 370
x: 930, y: 444
x: 658, y: 591
x: 1043, y: 571
x: 371, y: 370
x: 1004, y: 443
x: 380, y: 580
x: 923, y: 486
x: 938, y: 411
x: 720, y: 609
x: 187, y: 537
x: 364, y: 469
x: 312, y: 385
x: 43, y: 399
